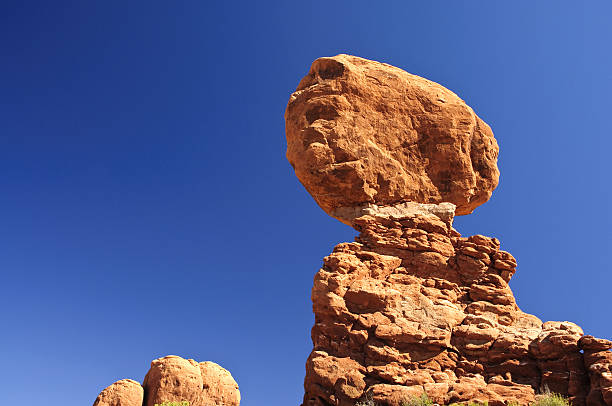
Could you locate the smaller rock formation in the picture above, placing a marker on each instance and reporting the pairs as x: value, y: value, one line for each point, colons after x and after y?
x: 125, y: 392
x: 175, y: 379
x: 363, y: 132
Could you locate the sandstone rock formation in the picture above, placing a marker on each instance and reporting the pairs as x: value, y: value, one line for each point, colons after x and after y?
x: 174, y: 379
x: 125, y: 392
x: 411, y: 306
x: 362, y: 132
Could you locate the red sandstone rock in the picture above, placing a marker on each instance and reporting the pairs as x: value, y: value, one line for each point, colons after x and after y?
x: 218, y: 385
x: 411, y: 308
x: 125, y: 392
x: 599, y: 368
x: 360, y: 132
x: 590, y: 343
x: 174, y: 379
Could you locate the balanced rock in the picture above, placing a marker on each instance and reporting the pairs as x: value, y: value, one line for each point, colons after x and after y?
x: 413, y: 307
x: 175, y: 381
x: 361, y: 133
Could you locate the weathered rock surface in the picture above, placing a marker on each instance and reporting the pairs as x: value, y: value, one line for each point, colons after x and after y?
x: 362, y: 132
x: 218, y: 385
x: 125, y: 392
x: 599, y: 367
x: 175, y: 379
x: 413, y: 307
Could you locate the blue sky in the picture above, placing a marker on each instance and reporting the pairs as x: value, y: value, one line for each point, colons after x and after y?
x: 147, y: 207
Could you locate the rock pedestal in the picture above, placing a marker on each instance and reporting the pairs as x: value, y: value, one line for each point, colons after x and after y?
x: 412, y: 307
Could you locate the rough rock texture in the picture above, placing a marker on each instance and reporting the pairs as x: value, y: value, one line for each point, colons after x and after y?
x: 125, y: 392
x: 360, y: 131
x: 412, y: 306
x: 175, y: 379
x: 598, y: 360
x: 218, y: 384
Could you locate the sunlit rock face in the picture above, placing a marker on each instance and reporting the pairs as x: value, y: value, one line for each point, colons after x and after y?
x: 360, y: 131
x: 125, y: 392
x: 411, y: 306
x: 175, y: 381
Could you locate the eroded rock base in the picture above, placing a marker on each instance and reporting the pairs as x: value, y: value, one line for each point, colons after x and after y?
x: 413, y: 307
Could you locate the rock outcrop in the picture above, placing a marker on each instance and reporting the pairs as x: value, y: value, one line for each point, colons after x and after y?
x: 175, y: 380
x: 411, y: 306
x: 362, y: 132
x: 125, y: 392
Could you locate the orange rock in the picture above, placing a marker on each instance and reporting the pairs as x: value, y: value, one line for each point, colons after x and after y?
x: 393, y: 395
x: 218, y: 385
x: 556, y: 339
x: 333, y: 380
x: 510, y: 392
x: 412, y: 308
x: 125, y: 392
x: 599, y: 367
x: 364, y: 134
x: 174, y: 379
x: 590, y: 343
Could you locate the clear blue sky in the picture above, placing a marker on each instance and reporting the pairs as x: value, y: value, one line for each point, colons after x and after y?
x: 147, y: 208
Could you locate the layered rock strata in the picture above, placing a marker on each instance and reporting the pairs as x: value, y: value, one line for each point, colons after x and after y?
x: 363, y: 132
x: 174, y: 380
x: 412, y: 306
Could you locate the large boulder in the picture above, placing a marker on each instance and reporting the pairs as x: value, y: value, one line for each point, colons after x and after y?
x: 174, y: 379
x: 362, y: 133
